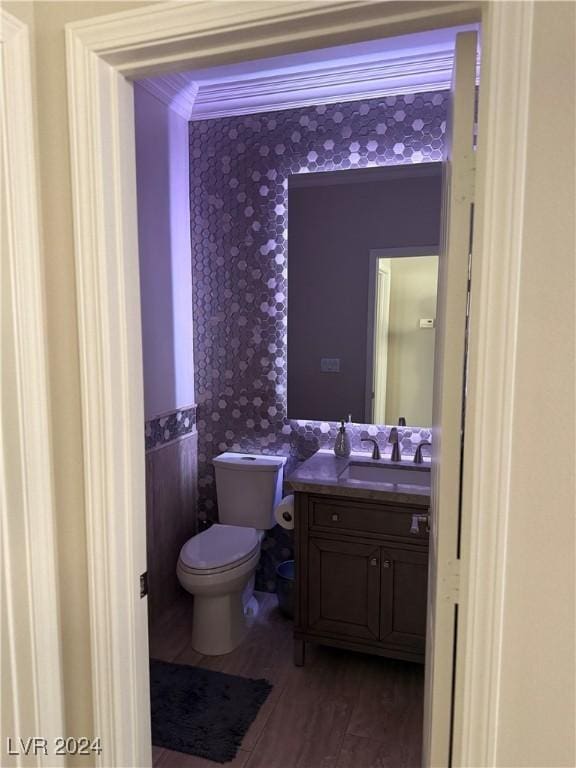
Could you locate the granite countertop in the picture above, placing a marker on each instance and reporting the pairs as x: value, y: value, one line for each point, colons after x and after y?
x: 322, y: 474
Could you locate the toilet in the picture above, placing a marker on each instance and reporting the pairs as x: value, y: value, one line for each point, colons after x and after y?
x: 217, y: 566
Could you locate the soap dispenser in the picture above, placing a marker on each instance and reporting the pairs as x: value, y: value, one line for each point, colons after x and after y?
x: 342, y: 445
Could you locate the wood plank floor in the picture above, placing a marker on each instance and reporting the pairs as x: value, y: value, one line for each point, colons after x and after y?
x: 341, y: 710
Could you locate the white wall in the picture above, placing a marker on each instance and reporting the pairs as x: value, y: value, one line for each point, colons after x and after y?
x: 410, y: 374
x: 162, y: 162
x: 538, y: 675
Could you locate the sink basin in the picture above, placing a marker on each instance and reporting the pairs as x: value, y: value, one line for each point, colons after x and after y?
x: 391, y: 474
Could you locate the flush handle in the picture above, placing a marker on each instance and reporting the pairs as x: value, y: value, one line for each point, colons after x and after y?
x: 335, y: 517
x: 416, y: 520
x: 373, y: 561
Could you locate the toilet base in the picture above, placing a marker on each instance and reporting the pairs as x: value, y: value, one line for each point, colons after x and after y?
x: 222, y: 600
x: 219, y: 623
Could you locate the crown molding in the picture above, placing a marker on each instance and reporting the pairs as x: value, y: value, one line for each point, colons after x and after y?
x: 326, y: 85
x: 177, y: 91
x: 323, y: 84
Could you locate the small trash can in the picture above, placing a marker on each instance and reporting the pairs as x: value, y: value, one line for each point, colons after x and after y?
x: 285, y: 587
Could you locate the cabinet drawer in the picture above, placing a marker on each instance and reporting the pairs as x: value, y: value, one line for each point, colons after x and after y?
x: 367, y: 518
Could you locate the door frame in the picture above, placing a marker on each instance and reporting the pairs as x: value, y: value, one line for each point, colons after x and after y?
x: 376, y: 368
x: 102, y: 53
x: 31, y: 663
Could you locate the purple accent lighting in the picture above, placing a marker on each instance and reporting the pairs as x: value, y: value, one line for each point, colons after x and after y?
x: 239, y: 168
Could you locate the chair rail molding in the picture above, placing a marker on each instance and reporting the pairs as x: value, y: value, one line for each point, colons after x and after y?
x: 31, y: 653
x: 102, y: 54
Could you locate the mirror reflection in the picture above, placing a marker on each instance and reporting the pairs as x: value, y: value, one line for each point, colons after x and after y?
x: 403, y: 318
x: 362, y: 279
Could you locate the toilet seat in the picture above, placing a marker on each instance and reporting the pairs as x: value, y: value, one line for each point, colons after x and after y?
x: 218, y: 549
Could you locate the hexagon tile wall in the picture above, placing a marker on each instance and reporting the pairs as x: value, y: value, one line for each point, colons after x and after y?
x: 239, y: 167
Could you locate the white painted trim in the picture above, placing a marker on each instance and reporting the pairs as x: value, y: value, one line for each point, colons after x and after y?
x: 323, y: 84
x: 158, y: 38
x: 488, y: 456
x: 448, y: 402
x: 200, y: 33
x: 176, y: 91
x: 104, y: 179
x: 368, y: 416
x: 30, y: 616
x: 406, y: 251
x: 326, y: 86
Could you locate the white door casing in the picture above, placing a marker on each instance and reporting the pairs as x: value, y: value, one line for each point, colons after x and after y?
x: 32, y: 699
x: 377, y: 328
x: 448, y: 404
x: 104, y: 179
x: 503, y: 123
x: 101, y: 53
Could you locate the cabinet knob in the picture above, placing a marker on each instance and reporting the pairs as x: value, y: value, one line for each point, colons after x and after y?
x: 335, y: 517
x: 373, y: 561
x: 386, y: 564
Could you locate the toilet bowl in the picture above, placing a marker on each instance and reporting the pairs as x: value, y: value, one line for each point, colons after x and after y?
x: 217, y: 566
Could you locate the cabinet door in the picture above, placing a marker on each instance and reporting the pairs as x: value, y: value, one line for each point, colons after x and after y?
x: 344, y: 588
x: 404, y: 595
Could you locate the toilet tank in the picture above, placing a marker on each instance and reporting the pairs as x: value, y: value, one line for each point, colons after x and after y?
x: 248, y: 488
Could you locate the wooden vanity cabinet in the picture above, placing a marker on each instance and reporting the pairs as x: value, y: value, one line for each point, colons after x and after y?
x: 361, y: 576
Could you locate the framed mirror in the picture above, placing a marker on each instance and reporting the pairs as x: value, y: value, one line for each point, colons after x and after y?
x: 362, y: 274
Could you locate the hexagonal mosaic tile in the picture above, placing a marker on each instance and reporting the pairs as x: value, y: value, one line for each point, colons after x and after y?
x: 239, y: 168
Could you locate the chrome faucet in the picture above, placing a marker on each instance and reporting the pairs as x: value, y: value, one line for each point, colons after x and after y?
x: 418, y: 454
x: 375, y: 448
x: 393, y: 438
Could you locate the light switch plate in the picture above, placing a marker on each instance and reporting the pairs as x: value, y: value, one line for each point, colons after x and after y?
x: 330, y: 364
x: 427, y: 322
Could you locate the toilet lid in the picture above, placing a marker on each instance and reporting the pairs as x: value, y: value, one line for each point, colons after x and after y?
x: 219, y: 545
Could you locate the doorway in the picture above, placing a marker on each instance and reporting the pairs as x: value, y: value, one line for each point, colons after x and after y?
x: 228, y: 273
x: 98, y: 433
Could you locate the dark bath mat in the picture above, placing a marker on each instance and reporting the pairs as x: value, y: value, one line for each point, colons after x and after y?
x: 202, y: 712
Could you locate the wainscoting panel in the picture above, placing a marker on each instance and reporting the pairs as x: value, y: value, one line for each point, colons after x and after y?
x: 171, y: 517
